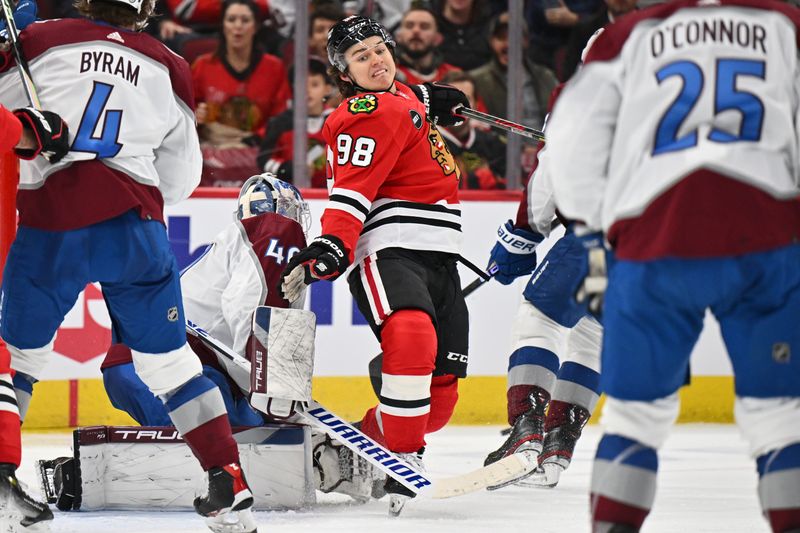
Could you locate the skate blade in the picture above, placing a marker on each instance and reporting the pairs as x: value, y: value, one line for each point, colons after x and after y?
x: 531, y: 457
x: 544, y: 477
x: 233, y: 522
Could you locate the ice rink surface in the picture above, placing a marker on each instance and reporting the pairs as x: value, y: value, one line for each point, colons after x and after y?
x: 706, y: 483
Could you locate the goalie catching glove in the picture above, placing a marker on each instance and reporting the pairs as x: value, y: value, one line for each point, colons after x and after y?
x: 325, y: 258
x: 441, y: 102
x: 50, y: 134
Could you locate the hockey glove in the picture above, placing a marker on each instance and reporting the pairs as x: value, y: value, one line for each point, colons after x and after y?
x: 24, y: 14
x: 324, y: 258
x: 441, y: 102
x: 50, y: 133
x: 514, y: 253
x: 592, y: 288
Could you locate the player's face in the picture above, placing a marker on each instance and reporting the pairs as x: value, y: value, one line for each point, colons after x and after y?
x: 239, y: 26
x: 418, y: 33
x: 317, y: 89
x: 318, y: 40
x: 370, y: 64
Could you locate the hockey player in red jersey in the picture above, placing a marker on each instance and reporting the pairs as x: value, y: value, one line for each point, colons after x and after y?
x: 29, y: 133
x: 393, y: 213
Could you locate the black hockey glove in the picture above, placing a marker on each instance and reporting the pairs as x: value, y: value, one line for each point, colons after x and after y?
x: 441, y: 102
x: 324, y: 258
x: 50, y: 133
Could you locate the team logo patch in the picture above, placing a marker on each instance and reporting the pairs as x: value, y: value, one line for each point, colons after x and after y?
x: 172, y: 314
x: 362, y: 104
x: 415, y: 118
x: 441, y: 153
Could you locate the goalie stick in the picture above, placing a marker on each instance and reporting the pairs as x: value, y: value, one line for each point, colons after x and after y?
x: 22, y: 64
x: 365, y: 447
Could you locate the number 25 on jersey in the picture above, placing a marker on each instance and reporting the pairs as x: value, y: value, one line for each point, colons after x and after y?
x: 727, y: 97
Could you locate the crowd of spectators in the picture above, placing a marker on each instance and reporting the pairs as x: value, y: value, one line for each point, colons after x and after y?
x: 241, y: 53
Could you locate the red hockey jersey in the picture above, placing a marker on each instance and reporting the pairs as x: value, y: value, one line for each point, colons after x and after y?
x: 392, y: 180
x: 10, y: 130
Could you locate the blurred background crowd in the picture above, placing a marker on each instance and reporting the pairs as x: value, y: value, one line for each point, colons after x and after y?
x: 242, y: 58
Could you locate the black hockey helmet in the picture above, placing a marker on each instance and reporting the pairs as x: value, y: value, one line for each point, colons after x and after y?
x: 350, y: 31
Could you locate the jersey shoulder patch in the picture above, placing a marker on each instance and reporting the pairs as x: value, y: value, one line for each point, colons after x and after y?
x: 362, y: 103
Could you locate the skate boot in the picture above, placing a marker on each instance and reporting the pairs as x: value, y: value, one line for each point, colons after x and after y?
x: 398, y: 493
x: 228, y: 502
x: 17, y: 508
x: 559, y: 445
x: 338, y: 469
x: 526, y: 436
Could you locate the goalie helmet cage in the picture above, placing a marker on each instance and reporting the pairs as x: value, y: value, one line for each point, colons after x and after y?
x: 9, y: 178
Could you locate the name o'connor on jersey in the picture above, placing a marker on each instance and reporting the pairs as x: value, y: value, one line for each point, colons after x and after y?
x: 110, y: 64
x: 745, y: 34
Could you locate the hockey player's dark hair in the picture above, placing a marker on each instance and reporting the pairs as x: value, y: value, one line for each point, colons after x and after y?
x: 222, y: 45
x: 116, y: 13
x: 346, y: 88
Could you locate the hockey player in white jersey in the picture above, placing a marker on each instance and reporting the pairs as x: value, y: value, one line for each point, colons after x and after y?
x: 677, y: 141
x: 553, y: 368
x: 97, y: 216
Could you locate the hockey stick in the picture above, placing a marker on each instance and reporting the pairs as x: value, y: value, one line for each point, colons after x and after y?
x: 501, y: 123
x: 363, y: 446
x: 22, y: 64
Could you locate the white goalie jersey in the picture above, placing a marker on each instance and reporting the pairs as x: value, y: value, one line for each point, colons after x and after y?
x: 683, y: 119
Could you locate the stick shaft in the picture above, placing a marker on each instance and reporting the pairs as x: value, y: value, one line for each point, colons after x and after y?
x: 502, y: 123
x: 22, y: 64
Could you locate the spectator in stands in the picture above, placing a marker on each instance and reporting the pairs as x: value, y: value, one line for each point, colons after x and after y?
x: 320, y: 23
x: 551, y: 22
x: 238, y: 87
x: 463, y: 25
x: 491, y: 80
x: 479, y: 153
x: 581, y: 33
x: 277, y: 149
x: 418, y: 40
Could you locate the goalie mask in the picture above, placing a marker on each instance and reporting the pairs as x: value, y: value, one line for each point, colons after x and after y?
x: 350, y: 31
x: 265, y: 193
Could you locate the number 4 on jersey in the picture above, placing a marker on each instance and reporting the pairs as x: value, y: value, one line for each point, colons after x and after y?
x: 106, y: 144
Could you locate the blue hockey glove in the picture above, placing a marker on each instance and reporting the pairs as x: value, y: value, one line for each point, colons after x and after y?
x: 325, y: 258
x: 594, y: 279
x: 514, y: 254
x: 24, y: 14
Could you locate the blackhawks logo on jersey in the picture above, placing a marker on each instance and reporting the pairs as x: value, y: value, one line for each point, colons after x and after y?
x: 366, y: 103
x: 441, y: 153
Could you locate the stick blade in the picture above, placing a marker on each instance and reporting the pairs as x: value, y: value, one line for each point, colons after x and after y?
x: 496, y: 473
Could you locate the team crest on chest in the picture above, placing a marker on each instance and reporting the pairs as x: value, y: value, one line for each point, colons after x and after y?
x: 441, y: 153
x: 362, y: 104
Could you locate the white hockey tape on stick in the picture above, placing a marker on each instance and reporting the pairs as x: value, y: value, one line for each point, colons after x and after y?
x: 510, y: 467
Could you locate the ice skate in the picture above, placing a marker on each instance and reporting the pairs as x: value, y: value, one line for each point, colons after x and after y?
x: 525, y: 438
x: 398, y: 493
x: 228, y: 502
x: 559, y: 445
x: 19, y: 511
x: 338, y: 469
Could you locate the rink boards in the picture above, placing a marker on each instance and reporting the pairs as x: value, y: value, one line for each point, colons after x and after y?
x: 72, y: 393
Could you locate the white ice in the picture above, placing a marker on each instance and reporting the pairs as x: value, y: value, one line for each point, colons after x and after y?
x: 706, y: 483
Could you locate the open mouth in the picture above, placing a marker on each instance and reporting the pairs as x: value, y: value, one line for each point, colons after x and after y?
x: 379, y: 73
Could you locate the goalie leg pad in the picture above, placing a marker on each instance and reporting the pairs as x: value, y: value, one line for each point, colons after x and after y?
x: 281, y: 350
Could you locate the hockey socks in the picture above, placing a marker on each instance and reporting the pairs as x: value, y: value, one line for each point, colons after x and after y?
x: 529, y: 368
x: 10, y: 445
x: 779, y: 487
x: 198, y: 412
x: 623, y: 483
